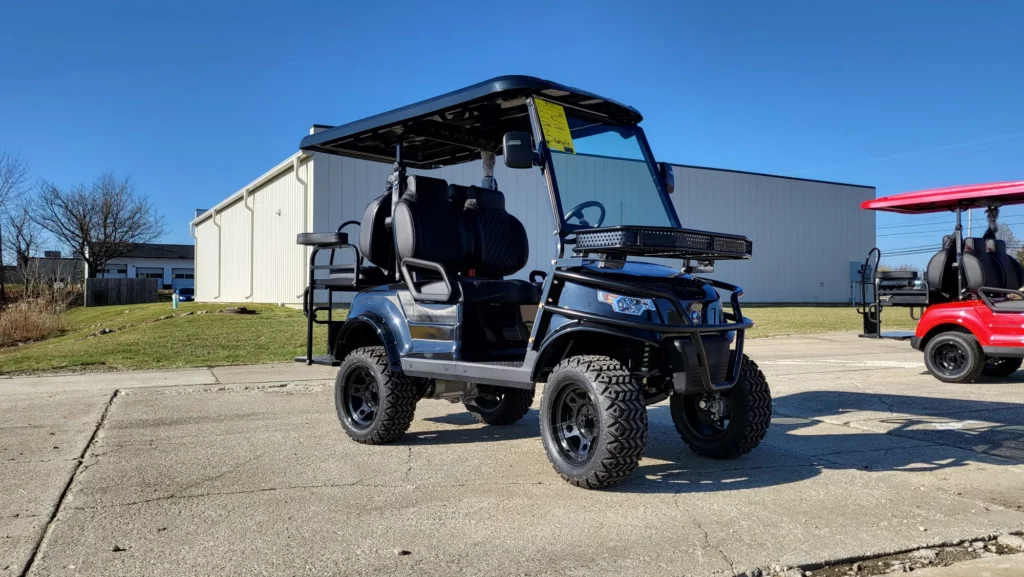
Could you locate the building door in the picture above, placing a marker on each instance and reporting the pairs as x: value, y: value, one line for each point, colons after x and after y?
x: 183, y: 278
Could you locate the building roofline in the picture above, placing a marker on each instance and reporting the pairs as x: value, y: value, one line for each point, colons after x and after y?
x: 301, y: 155
x: 771, y: 175
x: 282, y: 166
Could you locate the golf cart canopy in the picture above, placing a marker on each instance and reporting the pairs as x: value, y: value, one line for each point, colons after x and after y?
x: 454, y: 128
x: 943, y: 199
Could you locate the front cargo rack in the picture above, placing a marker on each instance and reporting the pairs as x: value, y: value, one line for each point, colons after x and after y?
x: 659, y: 241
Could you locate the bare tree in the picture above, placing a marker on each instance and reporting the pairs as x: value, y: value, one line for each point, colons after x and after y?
x: 100, y: 221
x: 13, y: 183
x: 24, y: 236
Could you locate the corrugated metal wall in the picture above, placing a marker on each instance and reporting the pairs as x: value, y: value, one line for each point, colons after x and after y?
x: 278, y: 265
x: 805, y: 233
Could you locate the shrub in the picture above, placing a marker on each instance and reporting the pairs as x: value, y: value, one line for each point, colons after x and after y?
x: 29, y: 320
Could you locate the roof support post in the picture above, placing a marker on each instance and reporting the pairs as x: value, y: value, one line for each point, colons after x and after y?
x: 959, y: 240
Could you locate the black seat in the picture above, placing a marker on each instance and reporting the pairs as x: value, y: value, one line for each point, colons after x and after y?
x: 1013, y: 273
x: 467, y: 231
x: 499, y: 246
x: 980, y: 269
x: 375, y: 246
x: 941, y: 273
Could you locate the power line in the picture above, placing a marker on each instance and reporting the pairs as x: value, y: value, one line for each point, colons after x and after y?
x: 966, y: 144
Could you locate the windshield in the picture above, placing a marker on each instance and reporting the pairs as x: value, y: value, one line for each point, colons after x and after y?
x: 607, y: 182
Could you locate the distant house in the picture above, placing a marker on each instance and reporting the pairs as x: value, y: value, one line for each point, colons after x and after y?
x: 172, y: 264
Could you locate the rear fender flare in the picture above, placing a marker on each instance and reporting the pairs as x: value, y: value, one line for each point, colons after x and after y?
x: 360, y: 325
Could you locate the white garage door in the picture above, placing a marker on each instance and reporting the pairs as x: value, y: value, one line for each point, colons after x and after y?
x: 183, y: 278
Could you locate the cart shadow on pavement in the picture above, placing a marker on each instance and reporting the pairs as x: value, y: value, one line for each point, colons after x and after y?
x: 806, y: 438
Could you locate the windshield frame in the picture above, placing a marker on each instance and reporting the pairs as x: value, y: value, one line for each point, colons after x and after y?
x: 564, y: 228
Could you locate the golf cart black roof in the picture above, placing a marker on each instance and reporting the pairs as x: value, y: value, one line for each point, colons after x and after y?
x: 454, y: 127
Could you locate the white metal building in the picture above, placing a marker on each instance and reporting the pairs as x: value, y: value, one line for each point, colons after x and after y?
x: 805, y: 232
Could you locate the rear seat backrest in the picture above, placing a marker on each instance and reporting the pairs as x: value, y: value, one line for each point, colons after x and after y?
x: 940, y: 274
x: 376, y: 242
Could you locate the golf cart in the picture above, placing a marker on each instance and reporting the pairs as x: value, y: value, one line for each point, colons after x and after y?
x: 972, y: 322
x: 436, y: 316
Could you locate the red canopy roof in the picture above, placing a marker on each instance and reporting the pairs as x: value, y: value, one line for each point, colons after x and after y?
x: 939, y: 199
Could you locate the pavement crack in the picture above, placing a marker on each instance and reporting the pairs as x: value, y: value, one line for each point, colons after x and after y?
x: 706, y: 536
x: 79, y: 466
x: 356, y: 483
x: 408, y: 465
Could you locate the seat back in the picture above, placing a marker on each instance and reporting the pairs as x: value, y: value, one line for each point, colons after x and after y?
x: 498, y: 246
x: 980, y: 270
x: 941, y: 274
x: 426, y: 227
x: 1013, y: 273
x: 376, y: 242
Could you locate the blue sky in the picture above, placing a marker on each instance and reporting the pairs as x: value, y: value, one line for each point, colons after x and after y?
x: 195, y: 99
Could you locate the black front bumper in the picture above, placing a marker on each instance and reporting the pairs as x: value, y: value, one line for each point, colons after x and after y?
x: 916, y: 343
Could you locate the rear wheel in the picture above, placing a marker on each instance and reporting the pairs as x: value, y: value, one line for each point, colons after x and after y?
x: 954, y: 357
x: 1001, y: 366
x: 500, y: 405
x: 729, y: 424
x: 593, y: 421
x: 374, y: 406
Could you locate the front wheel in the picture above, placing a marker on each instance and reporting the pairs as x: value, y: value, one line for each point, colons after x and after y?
x: 954, y: 357
x: 1001, y: 366
x: 729, y: 424
x: 593, y: 421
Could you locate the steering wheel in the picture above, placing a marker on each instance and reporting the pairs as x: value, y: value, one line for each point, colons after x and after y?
x: 577, y: 212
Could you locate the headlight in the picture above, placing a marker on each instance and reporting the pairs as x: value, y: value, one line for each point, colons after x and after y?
x: 626, y: 305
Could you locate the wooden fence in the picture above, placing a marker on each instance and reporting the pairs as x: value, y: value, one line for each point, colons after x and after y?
x: 119, y: 291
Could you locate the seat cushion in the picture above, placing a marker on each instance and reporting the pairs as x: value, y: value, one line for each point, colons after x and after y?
x: 490, y: 291
x: 1010, y: 305
x: 368, y: 276
x: 322, y: 239
x: 499, y: 291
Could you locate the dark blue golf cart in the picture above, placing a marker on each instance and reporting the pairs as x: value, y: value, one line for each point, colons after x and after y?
x: 437, y: 316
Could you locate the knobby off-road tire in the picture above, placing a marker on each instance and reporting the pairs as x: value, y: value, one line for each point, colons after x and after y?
x: 593, y: 421
x: 750, y: 414
x: 1001, y: 366
x: 501, y: 405
x: 954, y: 357
x: 374, y: 406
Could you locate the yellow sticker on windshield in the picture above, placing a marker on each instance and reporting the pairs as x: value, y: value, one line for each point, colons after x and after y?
x: 555, y: 126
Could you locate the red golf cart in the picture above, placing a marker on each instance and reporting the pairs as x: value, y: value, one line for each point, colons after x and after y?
x: 972, y: 319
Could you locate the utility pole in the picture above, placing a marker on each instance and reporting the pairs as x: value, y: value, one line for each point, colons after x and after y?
x: 970, y: 223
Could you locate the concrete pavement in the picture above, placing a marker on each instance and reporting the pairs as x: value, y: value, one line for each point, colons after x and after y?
x: 244, y: 470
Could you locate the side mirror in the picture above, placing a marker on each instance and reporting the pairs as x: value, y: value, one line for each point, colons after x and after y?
x: 517, y: 150
x: 668, y: 178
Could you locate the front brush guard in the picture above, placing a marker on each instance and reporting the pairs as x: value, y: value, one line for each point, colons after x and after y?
x: 738, y: 323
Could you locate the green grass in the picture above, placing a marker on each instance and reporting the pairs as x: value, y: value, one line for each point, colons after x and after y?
x: 141, y: 341
x: 277, y: 334
x: 772, y: 321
